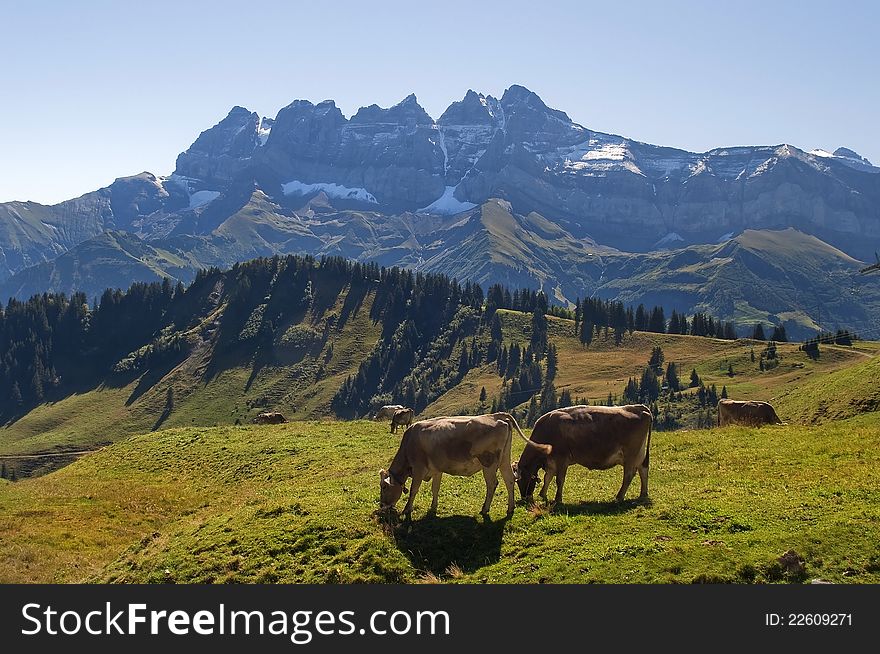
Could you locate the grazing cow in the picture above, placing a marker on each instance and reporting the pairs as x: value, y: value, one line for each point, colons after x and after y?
x: 269, y: 418
x: 401, y: 417
x: 597, y: 437
x: 751, y: 413
x: 387, y: 411
x: 457, y: 445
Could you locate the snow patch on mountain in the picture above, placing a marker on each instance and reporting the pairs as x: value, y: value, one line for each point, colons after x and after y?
x: 296, y: 187
x: 201, y: 198
x: 848, y: 158
x: 447, y: 204
x: 668, y: 241
x: 264, y: 127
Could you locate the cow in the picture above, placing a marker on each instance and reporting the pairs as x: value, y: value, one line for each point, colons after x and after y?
x: 269, y: 418
x: 750, y: 413
x: 401, y: 417
x: 456, y: 445
x: 597, y: 437
x: 387, y: 411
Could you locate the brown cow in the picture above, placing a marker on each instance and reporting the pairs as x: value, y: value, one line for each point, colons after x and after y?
x: 598, y: 437
x: 751, y: 413
x: 269, y: 418
x: 457, y: 445
x: 387, y: 411
x: 401, y: 417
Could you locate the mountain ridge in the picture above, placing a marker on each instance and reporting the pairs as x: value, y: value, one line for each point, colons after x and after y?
x: 396, y: 186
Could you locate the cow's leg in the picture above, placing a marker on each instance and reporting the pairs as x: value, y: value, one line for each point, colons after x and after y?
x: 413, y: 491
x: 490, y: 474
x: 507, y: 476
x: 643, y: 478
x: 628, y: 473
x: 435, y: 490
x: 549, y: 473
x: 560, y: 482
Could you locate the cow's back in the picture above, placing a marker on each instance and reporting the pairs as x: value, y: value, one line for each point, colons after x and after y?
x: 594, y: 436
x: 456, y: 444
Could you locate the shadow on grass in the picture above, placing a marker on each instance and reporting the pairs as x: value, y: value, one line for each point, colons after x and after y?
x: 608, y: 507
x: 434, y: 543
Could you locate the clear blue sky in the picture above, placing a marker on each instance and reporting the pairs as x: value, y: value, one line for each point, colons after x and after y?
x: 97, y: 90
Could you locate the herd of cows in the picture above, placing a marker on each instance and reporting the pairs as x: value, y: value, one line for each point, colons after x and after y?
x: 597, y: 437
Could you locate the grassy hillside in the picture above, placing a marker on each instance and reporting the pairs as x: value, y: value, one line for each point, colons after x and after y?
x: 210, y: 388
x: 594, y: 371
x: 207, y: 388
x: 297, y: 503
x: 109, y: 260
x: 764, y: 276
x: 839, y: 394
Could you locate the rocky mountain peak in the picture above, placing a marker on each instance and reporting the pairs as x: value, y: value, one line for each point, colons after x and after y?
x: 474, y: 109
x: 850, y: 154
x: 406, y: 112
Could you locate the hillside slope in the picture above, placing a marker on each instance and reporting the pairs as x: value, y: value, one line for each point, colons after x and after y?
x: 297, y: 502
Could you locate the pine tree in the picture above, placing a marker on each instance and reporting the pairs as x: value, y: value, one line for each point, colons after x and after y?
x: 649, y: 387
x: 758, y: 333
x: 565, y: 398
x: 533, y: 411
x: 730, y: 370
x: 552, y: 362
x: 656, y: 360
x: 483, y: 396
x: 3, y: 471
x: 695, y: 379
x: 779, y: 334
x: 752, y: 354
x: 724, y: 392
x: 672, y: 380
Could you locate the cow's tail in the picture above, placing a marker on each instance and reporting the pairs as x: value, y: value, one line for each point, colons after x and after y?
x: 541, y: 447
x: 647, y: 460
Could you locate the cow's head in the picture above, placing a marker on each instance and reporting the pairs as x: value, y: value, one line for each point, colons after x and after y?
x: 390, y: 489
x: 525, y: 471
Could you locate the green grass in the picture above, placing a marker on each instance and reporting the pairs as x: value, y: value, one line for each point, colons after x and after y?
x: 297, y: 503
x: 839, y: 394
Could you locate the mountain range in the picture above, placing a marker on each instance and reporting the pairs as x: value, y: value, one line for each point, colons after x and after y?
x: 495, y: 190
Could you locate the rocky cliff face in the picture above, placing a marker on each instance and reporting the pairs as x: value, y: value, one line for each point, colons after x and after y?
x: 622, y: 192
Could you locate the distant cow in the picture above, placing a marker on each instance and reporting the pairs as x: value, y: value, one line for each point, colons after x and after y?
x: 269, y: 418
x: 457, y: 445
x: 387, y: 411
x: 598, y: 437
x: 401, y: 417
x: 751, y: 413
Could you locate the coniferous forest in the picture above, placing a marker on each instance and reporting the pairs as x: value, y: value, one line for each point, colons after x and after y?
x: 54, y: 345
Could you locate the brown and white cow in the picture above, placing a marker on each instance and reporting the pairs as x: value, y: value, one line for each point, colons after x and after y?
x: 456, y: 445
x: 401, y: 417
x: 751, y: 413
x: 597, y: 437
x: 270, y: 418
x: 387, y: 411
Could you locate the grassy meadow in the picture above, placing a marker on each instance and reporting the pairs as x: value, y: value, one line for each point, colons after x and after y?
x: 298, y: 503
